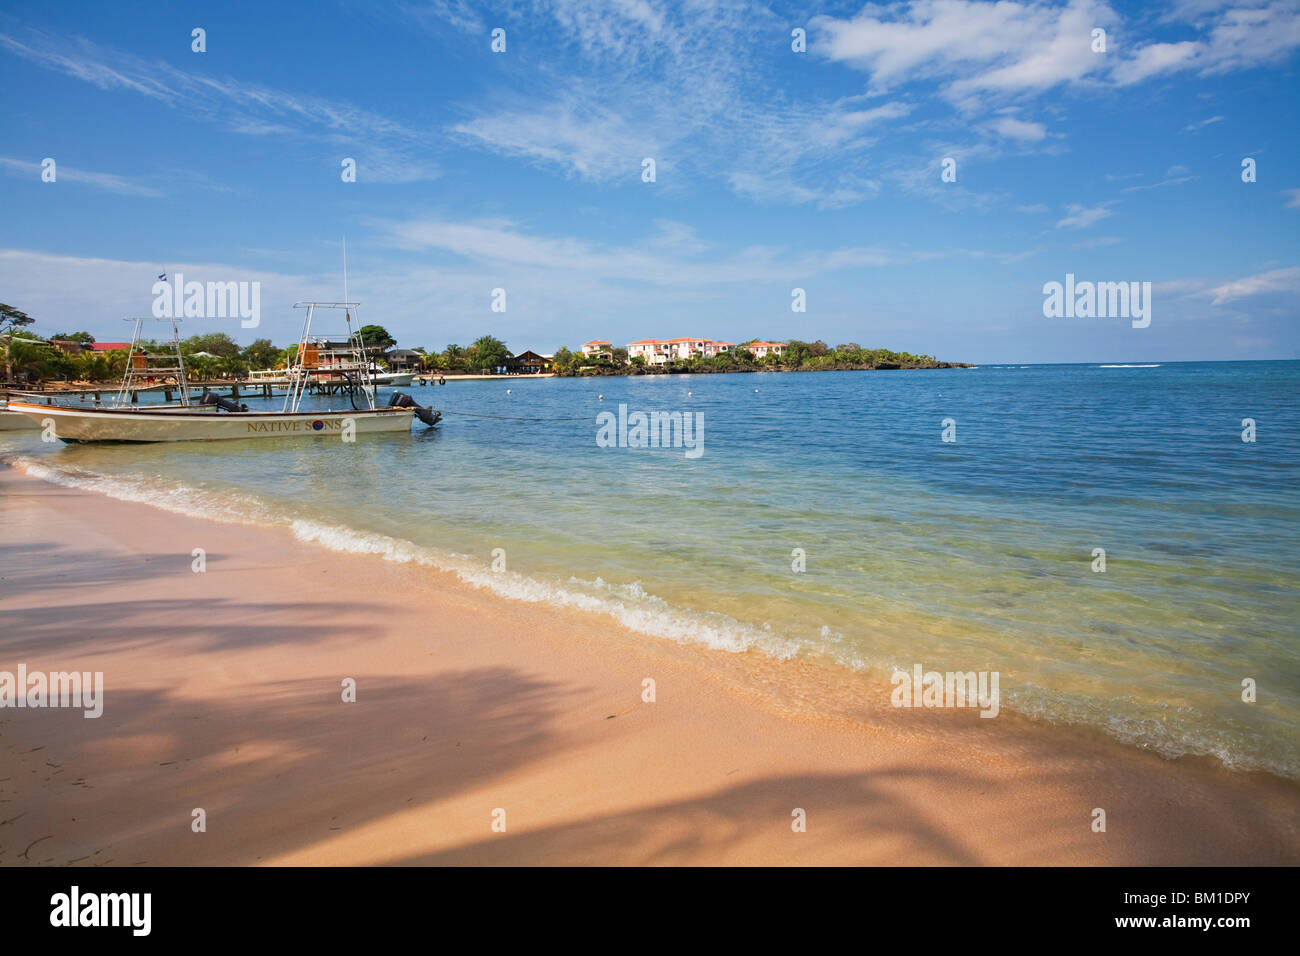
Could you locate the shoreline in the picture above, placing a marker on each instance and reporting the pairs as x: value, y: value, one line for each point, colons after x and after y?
x: 223, y: 692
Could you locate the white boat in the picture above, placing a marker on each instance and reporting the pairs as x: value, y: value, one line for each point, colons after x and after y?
x: 278, y: 378
x: 217, y: 418
x: 385, y: 378
x: 190, y: 424
x: 12, y: 421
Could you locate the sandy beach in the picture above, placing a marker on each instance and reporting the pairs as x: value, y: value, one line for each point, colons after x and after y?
x: 224, y: 692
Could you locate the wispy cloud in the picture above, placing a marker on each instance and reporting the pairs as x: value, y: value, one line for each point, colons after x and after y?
x: 1079, y: 216
x: 1277, y: 280
x: 1174, y: 176
x: 974, y: 49
x: 68, y: 174
x: 1193, y: 127
x: 386, y: 150
x: 676, y: 84
x: 1013, y: 128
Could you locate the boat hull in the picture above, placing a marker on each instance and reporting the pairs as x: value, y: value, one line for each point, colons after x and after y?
x: 14, y: 421
x: 131, y: 425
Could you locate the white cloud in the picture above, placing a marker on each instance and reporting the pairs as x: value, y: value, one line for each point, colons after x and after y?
x: 1081, y: 217
x: 674, y: 257
x: 1018, y: 129
x: 1022, y: 47
x: 1156, y: 58
x: 67, y: 174
x: 78, y: 292
x: 1193, y: 127
x: 386, y: 150
x: 677, y: 84
x: 1278, y: 280
x: 1294, y: 201
x: 1174, y: 176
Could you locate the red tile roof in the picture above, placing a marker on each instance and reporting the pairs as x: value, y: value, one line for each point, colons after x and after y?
x: 110, y: 346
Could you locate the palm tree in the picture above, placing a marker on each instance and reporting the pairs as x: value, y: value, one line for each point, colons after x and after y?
x: 31, y: 358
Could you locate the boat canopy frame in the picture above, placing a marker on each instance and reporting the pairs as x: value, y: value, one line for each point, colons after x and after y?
x: 320, y: 355
x: 142, y: 365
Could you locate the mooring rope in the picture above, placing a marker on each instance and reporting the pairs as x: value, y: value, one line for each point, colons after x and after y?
x: 513, y: 418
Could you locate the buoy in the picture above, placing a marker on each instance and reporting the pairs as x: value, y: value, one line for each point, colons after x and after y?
x: 600, y: 398
x: 508, y: 391
x: 689, y: 394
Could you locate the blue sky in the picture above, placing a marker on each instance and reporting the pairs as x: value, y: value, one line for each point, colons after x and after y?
x: 522, y: 170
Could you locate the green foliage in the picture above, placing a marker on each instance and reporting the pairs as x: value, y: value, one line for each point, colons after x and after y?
x: 11, y: 318
x: 217, y: 343
x: 260, y: 354
x: 84, y: 338
x: 565, y: 361
x: 488, y: 353
x: 377, y: 338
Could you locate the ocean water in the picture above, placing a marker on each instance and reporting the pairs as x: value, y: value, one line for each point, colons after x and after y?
x: 976, y: 554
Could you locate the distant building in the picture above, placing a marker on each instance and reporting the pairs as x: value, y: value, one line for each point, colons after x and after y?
x: 600, y: 350
x: 110, y: 346
x: 653, y: 351
x: 661, y: 351
x: 529, y: 362
x: 402, y: 359
x: 68, y: 346
x: 760, y: 349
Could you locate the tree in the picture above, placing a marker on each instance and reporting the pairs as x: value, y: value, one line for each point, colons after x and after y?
x: 489, y: 353
x: 376, y: 337
x: 82, y: 338
x: 260, y: 354
x: 215, y: 343
x: 452, y: 358
x: 11, y: 319
x: 32, y: 359
x: 203, y: 367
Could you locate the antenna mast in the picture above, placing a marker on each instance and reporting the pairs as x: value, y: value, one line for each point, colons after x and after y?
x: 347, y: 313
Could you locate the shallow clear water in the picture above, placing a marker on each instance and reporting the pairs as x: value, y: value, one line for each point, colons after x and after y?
x: 970, y: 555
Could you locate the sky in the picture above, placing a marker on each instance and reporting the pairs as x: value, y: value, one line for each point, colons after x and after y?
x: 775, y: 169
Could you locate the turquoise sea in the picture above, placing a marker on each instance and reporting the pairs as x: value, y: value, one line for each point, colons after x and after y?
x: 975, y: 554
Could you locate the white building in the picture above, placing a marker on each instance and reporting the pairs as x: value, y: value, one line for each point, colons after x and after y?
x: 760, y: 349
x: 660, y: 351
x: 653, y: 351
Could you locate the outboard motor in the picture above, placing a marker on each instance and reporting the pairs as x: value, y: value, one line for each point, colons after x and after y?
x: 212, y: 398
x: 426, y: 415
